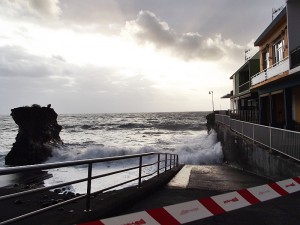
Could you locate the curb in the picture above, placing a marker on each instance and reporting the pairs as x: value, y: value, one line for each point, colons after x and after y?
x: 202, y: 208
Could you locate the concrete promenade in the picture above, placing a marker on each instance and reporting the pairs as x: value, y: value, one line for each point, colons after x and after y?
x: 196, y: 182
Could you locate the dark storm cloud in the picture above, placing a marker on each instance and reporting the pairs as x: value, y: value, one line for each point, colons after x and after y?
x: 238, y: 20
x: 148, y: 28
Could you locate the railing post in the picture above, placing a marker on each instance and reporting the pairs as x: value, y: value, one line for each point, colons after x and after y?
x: 174, y: 161
x: 270, y: 138
x: 243, y: 129
x: 166, y: 162
x: 170, y: 161
x: 253, y: 133
x: 158, y: 163
x: 140, y: 171
x: 177, y: 161
x: 88, y: 191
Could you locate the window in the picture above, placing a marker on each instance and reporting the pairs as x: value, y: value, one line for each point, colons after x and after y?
x: 266, y: 63
x: 278, y: 51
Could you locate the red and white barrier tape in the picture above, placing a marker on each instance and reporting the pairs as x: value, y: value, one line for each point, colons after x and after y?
x: 198, y: 209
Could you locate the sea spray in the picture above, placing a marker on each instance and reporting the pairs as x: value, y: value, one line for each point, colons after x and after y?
x: 199, y: 149
x: 202, y: 149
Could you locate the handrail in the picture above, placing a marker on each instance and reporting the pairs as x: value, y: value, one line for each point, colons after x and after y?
x: 286, y: 142
x: 10, y: 170
x: 171, y: 161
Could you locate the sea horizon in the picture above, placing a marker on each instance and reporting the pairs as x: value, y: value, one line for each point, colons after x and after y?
x: 92, y: 113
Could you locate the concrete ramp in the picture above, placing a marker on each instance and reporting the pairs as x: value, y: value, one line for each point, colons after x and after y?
x: 215, y: 178
x: 199, y: 181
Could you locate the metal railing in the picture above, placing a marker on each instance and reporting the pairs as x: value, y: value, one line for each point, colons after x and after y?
x: 250, y: 115
x: 161, y: 161
x: 276, y: 69
x: 244, y: 87
x: 284, y: 141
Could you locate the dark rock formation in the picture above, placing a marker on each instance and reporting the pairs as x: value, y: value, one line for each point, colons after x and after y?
x: 38, y: 134
x: 210, y: 118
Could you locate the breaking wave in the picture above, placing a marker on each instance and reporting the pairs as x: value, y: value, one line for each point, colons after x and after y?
x: 199, y: 150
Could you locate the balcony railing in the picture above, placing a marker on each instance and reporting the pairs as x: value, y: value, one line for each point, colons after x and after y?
x: 284, y: 141
x: 250, y: 115
x: 274, y: 70
x: 244, y: 87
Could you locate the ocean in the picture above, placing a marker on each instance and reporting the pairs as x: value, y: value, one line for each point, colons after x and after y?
x: 88, y: 136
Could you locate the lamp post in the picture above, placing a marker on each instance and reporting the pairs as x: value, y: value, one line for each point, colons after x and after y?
x: 212, y: 99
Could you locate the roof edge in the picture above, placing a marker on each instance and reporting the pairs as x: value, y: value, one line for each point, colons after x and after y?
x: 247, y: 62
x: 271, y: 26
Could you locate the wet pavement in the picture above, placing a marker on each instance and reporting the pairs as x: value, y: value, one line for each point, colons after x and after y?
x: 197, y: 182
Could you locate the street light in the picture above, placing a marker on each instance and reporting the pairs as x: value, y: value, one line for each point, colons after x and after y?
x: 212, y: 99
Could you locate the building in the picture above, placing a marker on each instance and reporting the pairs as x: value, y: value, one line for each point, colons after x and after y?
x: 269, y: 142
x: 275, y: 90
x: 244, y: 102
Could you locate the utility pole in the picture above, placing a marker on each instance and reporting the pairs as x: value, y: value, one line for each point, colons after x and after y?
x: 212, y: 99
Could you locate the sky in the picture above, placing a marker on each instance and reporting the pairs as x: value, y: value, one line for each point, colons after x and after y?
x: 119, y: 56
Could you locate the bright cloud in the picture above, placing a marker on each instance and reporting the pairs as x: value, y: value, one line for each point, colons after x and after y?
x: 119, y: 55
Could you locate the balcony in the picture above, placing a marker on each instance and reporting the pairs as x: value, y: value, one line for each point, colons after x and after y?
x: 244, y: 87
x: 274, y: 70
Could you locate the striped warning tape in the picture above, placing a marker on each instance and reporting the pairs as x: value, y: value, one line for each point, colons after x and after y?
x: 198, y: 209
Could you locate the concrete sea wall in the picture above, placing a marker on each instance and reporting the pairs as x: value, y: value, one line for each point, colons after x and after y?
x: 245, y: 154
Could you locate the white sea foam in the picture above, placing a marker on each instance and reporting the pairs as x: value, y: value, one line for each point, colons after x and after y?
x: 202, y: 149
x: 198, y: 150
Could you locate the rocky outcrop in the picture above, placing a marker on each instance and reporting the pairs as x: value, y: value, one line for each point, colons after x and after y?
x: 210, y: 118
x: 38, y: 134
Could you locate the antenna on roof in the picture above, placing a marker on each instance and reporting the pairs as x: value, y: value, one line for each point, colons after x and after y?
x: 274, y: 11
x: 247, y: 57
